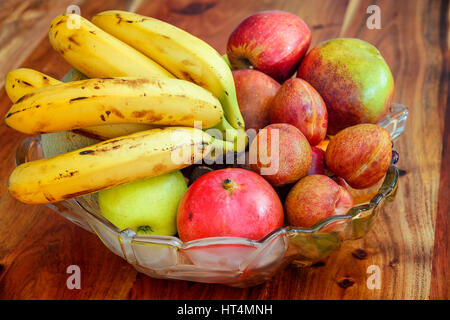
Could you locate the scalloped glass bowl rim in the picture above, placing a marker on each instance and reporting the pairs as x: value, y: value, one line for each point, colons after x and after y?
x: 389, y: 184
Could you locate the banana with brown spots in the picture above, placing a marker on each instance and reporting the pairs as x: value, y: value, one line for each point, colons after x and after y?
x: 96, y: 53
x: 19, y: 82
x: 109, y: 163
x: 93, y: 102
x: 182, y: 54
x: 22, y: 81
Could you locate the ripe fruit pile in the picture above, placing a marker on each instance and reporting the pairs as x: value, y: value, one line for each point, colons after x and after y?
x: 140, y: 86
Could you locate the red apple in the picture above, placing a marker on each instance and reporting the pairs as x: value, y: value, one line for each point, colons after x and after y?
x: 255, y: 91
x: 315, y: 198
x: 299, y: 104
x: 273, y: 42
x: 318, y: 162
x: 229, y: 202
x: 281, y: 154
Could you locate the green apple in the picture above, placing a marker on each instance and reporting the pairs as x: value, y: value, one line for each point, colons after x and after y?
x: 148, y: 206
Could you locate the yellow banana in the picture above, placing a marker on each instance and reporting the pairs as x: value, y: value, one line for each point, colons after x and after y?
x: 109, y: 163
x: 93, y: 102
x: 60, y: 142
x: 96, y: 53
x: 21, y: 81
x: 182, y: 54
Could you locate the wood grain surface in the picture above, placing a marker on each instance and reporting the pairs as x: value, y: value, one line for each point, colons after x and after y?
x: 409, y: 242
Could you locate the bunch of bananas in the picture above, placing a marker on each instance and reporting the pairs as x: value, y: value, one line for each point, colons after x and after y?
x: 137, y: 83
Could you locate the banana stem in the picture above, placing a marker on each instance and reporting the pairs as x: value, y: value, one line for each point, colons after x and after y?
x: 237, y: 137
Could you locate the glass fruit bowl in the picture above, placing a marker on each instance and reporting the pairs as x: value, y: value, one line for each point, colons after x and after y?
x: 232, y: 261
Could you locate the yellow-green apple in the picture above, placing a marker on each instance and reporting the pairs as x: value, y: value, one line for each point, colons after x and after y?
x: 281, y: 154
x: 255, y: 91
x: 148, y: 206
x: 353, y: 79
x: 360, y: 154
x: 270, y: 41
x: 315, y: 198
x: 299, y: 104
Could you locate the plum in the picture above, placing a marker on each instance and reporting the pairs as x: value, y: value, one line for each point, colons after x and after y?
x: 318, y: 162
x: 360, y: 154
x: 281, y: 154
x: 255, y: 91
x: 299, y: 104
x: 315, y: 198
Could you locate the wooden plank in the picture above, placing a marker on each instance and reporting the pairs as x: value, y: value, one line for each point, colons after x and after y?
x: 401, y: 242
x: 440, y: 276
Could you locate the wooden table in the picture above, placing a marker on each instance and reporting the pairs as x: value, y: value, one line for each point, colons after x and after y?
x: 410, y: 239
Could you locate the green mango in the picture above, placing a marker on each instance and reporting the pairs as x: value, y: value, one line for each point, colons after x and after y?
x: 353, y: 79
